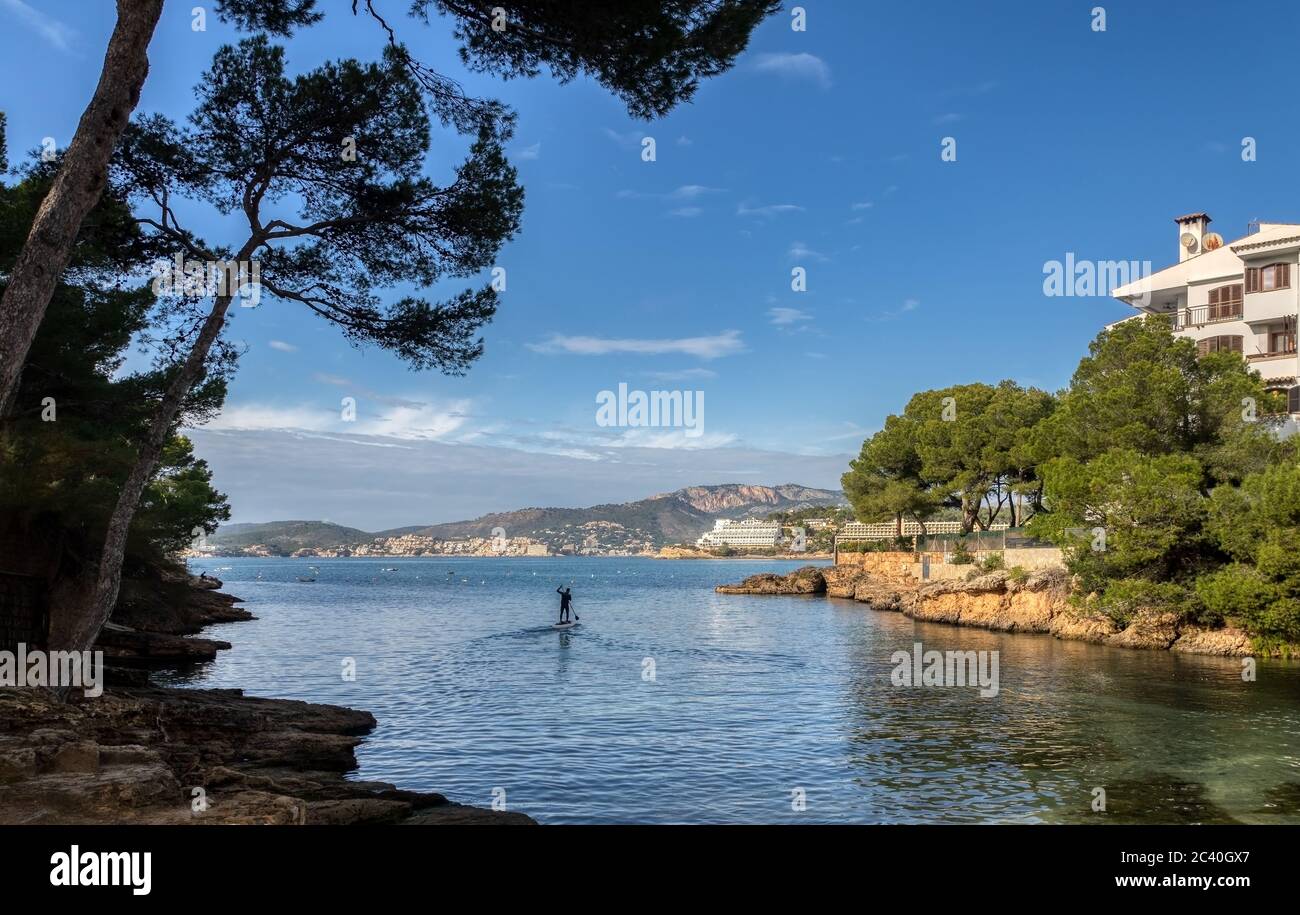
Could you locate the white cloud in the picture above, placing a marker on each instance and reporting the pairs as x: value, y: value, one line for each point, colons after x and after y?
x: 908, y: 305
x: 795, y: 66
x: 786, y: 316
x: 273, y: 475
x: 801, y: 252
x: 52, y: 30
x: 975, y: 89
x: 685, y: 192
x: 726, y: 343
x: 629, y: 139
x: 682, y: 375
x: 775, y: 209
x: 948, y: 118
x: 407, y: 419
x: 529, y: 153
x: 282, y: 346
x: 864, y: 205
x: 691, y: 191
x: 674, y: 439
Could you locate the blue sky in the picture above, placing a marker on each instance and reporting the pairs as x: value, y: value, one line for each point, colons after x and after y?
x: 820, y: 149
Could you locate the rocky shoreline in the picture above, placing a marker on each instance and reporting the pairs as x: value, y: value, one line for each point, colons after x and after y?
x: 141, y: 754
x: 1038, y: 602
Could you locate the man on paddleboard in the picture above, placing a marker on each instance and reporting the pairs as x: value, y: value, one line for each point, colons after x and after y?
x: 566, y: 602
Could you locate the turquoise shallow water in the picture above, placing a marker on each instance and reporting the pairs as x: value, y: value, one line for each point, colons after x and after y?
x: 755, y: 703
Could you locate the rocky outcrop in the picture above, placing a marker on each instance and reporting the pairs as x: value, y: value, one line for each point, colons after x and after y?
x: 123, y: 646
x: 171, y: 601
x: 808, y: 580
x: 157, y: 608
x: 1228, y: 641
x: 1038, y: 602
x: 993, y: 601
x: 168, y: 756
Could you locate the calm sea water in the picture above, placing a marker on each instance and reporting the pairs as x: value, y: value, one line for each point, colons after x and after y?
x: 672, y: 704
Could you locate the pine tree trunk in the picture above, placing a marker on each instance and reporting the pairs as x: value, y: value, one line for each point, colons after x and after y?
x: 76, y: 189
x: 82, y: 630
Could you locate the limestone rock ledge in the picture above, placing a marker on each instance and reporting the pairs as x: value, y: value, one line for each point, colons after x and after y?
x: 808, y: 580
x: 137, y: 755
x: 1038, y: 602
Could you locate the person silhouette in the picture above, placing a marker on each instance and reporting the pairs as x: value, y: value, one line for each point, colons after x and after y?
x: 566, y: 602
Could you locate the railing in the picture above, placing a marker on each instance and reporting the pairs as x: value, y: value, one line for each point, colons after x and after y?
x: 856, y: 530
x: 1275, y: 354
x: 1197, y: 315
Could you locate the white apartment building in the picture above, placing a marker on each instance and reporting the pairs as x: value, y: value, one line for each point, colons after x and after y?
x: 886, y: 530
x: 1239, y: 295
x: 748, y: 533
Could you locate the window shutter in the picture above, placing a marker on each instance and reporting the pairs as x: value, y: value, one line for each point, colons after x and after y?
x: 1283, y: 276
x: 1202, y: 347
x: 1293, y: 400
x: 1252, y: 279
x: 1234, y: 343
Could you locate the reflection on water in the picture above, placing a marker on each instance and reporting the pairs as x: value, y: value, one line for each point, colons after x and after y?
x: 670, y: 703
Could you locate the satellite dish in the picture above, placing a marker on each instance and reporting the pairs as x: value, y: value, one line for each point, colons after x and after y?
x: 1188, y: 241
x: 1213, y: 241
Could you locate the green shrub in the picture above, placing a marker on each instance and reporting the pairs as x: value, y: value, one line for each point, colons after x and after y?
x: 992, y: 562
x: 1123, y: 598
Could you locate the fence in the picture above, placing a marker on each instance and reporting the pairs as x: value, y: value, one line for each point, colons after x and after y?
x: 981, y: 541
x: 887, y: 530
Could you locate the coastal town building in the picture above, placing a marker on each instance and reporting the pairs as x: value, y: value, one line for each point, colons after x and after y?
x: 1239, y: 296
x: 856, y: 530
x: 747, y: 534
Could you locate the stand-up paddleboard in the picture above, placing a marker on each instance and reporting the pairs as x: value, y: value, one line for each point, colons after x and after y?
x: 564, y: 625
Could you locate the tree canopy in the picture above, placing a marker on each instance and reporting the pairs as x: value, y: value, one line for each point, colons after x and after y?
x: 963, y: 447
x: 1159, y: 473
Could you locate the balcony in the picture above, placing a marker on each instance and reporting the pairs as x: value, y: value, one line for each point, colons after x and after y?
x: 1286, y: 352
x: 1200, y: 315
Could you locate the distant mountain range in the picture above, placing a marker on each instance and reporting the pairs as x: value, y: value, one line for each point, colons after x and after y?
x: 675, y: 517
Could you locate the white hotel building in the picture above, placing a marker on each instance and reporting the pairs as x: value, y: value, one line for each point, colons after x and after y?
x: 748, y: 533
x: 1239, y: 296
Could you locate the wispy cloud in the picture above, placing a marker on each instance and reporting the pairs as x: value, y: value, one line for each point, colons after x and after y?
x: 979, y: 88
x: 354, y: 389
x: 686, y: 212
x: 685, y: 192
x: 421, y: 482
x: 282, y: 346
x: 411, y: 421
x: 774, y: 209
x: 801, y: 252
x: 726, y: 343
x: 908, y: 305
x: 529, y: 153
x: 864, y: 205
x: 629, y: 139
x: 795, y: 66
x: 782, y: 317
x: 54, y: 31
x: 950, y: 117
x: 696, y: 374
